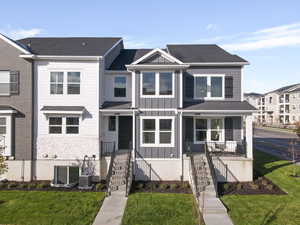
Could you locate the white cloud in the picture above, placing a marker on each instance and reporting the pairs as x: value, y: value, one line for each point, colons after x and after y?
x: 279, y: 36
x: 211, y: 27
x: 20, y: 33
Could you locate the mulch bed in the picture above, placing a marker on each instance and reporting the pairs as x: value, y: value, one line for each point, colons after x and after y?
x: 45, y: 186
x: 161, y: 187
x: 260, y: 185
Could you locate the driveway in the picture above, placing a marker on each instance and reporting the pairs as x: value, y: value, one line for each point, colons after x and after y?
x: 275, y: 143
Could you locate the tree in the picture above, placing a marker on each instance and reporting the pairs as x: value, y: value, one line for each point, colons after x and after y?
x: 3, y: 166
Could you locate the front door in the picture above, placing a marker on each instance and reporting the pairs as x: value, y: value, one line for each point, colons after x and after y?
x: 125, y: 132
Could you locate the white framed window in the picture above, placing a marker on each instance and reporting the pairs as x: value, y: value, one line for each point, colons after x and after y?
x: 5, y: 82
x: 73, y: 83
x: 157, y: 131
x: 209, y: 86
x: 112, y: 123
x: 208, y: 129
x: 56, y: 83
x: 3, y: 126
x: 63, y: 125
x: 157, y: 84
x: 120, y: 86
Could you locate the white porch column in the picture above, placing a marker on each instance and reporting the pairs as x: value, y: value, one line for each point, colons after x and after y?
x: 180, y: 144
x: 133, y: 135
x: 249, y: 136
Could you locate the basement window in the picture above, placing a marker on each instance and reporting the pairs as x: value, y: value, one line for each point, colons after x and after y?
x: 65, y: 176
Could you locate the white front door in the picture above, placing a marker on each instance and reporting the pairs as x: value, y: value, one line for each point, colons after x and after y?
x: 5, y: 135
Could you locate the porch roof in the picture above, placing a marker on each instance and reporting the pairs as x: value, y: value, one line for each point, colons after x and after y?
x: 219, y: 106
x: 116, y: 105
x: 7, y: 109
x: 63, y: 109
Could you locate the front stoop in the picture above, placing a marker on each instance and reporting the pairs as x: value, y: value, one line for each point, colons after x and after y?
x: 112, y: 210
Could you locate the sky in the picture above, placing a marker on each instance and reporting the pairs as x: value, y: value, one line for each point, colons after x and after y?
x: 264, y: 32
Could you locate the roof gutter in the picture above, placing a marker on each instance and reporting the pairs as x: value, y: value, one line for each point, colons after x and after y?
x: 62, y: 57
x: 219, y: 64
x: 175, y: 66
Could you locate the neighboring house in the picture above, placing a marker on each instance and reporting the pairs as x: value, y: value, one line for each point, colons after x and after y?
x: 255, y: 100
x: 279, y: 107
x: 92, y: 96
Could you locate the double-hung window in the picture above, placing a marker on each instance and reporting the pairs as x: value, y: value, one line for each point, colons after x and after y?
x: 2, y: 126
x: 4, y: 83
x: 73, y: 83
x: 209, y: 86
x: 120, y: 86
x: 157, y: 131
x: 56, y: 83
x: 208, y: 129
x: 157, y: 84
x: 63, y: 124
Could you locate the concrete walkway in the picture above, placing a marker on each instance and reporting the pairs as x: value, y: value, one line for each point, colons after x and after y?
x: 112, y: 210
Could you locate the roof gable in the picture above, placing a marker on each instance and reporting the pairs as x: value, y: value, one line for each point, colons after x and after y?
x: 15, y: 44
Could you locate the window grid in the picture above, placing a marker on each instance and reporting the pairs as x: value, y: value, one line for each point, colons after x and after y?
x: 209, y: 90
x: 209, y: 130
x: 56, y: 83
x: 64, y: 125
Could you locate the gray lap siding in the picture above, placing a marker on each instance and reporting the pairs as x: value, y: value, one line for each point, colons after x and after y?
x: 157, y: 152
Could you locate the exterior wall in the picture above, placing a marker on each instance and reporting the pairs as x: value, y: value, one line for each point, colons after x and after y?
x: 67, y: 146
x: 22, y: 102
x: 157, y: 102
x: 271, y: 108
x: 109, y: 87
x: 234, y: 72
x: 295, y: 107
x: 158, y: 152
x: 18, y: 170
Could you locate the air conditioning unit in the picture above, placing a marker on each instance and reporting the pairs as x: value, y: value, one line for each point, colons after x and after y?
x: 65, y: 176
x: 85, y: 182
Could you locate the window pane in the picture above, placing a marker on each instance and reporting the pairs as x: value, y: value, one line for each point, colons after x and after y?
x: 148, y: 124
x: 73, y: 174
x: 57, y: 77
x: 216, y: 124
x: 72, y: 121
x: 215, y: 135
x: 216, y: 86
x: 165, y: 124
x: 120, y: 82
x: 120, y: 92
x: 72, y: 130
x: 165, y: 137
x: 201, y: 124
x: 200, y: 135
x: 2, y: 130
x: 165, y: 83
x: 148, y: 137
x: 73, y: 89
x: 74, y: 77
x: 2, y: 121
x: 55, y: 130
x: 149, y: 83
x: 55, y: 121
x: 56, y: 88
x: 112, y: 123
x: 201, y: 87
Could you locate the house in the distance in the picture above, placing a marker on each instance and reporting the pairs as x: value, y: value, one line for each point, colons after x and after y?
x: 90, y: 98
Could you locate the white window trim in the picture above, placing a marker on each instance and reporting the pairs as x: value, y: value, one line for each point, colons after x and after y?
x: 157, y: 131
x: 56, y: 82
x: 208, y: 97
x: 64, y: 125
x: 8, y: 136
x: 6, y: 94
x: 126, y: 88
x: 157, y: 95
x: 65, y: 81
x: 208, y: 131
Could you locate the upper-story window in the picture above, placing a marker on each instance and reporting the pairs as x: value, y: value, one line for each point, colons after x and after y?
x: 62, y: 124
x: 9, y: 82
x: 209, y: 87
x: 120, y: 86
x: 157, y: 84
x: 57, y: 81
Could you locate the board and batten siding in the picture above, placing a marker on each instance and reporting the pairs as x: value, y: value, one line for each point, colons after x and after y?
x: 167, y: 102
x: 233, y: 73
x: 158, y: 152
x: 233, y: 126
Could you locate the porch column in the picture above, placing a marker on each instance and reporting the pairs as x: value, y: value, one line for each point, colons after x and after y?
x: 249, y: 136
x: 133, y: 135
x: 180, y: 144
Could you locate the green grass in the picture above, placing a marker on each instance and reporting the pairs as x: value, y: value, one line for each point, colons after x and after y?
x: 45, y: 208
x: 268, y: 209
x: 286, y: 130
x: 162, y: 209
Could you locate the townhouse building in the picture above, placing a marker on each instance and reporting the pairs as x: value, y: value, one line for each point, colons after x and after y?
x: 91, y: 98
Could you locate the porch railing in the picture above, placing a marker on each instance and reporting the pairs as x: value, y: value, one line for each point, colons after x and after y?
x: 129, y: 173
x: 109, y: 173
x: 223, y: 171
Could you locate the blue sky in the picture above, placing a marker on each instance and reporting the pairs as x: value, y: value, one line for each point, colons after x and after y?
x: 266, y: 33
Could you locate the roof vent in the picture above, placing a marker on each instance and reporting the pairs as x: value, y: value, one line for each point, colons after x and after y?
x: 83, y: 43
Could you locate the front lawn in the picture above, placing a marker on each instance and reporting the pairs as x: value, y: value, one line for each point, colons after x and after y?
x: 45, y: 208
x: 268, y: 209
x: 158, y: 208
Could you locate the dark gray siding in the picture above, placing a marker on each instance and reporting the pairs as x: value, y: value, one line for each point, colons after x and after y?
x: 112, y: 55
x: 156, y: 59
x: 160, y: 152
x: 234, y: 72
x: 157, y: 102
x: 22, y: 102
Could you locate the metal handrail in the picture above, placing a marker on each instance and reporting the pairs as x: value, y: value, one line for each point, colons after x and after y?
x: 109, y: 174
x: 221, y: 165
x: 227, y: 147
x: 128, y: 174
x: 212, y: 169
x: 194, y: 177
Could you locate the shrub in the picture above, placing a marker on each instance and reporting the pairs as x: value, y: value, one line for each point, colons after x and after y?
x: 254, y: 186
x: 164, y: 186
x: 23, y: 186
x: 99, y: 187
x: 140, y: 186
x: 226, y: 186
x: 3, y: 185
x: 173, y: 186
x: 239, y: 187
x: 42, y: 185
x: 12, y: 185
x: 185, y: 185
x: 31, y: 186
x: 149, y: 185
x: 264, y: 182
x: 270, y: 187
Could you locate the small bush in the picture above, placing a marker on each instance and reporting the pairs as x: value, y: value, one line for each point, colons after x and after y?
x: 270, y: 187
x: 226, y: 186
x: 173, y: 186
x: 99, y: 187
x: 254, y: 186
x: 31, y: 186
x: 185, y: 185
x: 264, y: 182
x: 3, y: 185
x: 42, y: 185
x: 149, y: 185
x: 12, y: 185
x: 23, y: 186
x: 239, y: 187
x: 164, y: 186
x: 140, y: 186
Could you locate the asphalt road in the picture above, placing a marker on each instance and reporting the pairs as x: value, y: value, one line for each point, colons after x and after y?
x: 275, y: 142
